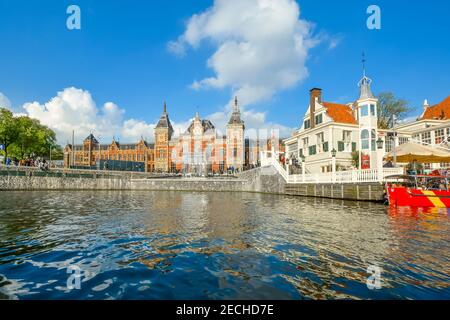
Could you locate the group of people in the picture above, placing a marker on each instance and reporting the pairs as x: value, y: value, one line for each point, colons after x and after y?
x: 29, y: 162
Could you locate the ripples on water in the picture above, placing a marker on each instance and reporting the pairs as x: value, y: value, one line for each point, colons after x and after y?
x: 173, y: 245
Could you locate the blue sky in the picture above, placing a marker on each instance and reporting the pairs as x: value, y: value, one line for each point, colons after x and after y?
x: 121, y: 56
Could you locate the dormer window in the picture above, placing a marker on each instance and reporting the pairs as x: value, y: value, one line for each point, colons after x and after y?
x: 307, y: 124
x: 319, y: 118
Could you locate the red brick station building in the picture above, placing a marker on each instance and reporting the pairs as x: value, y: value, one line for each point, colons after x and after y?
x: 200, y: 149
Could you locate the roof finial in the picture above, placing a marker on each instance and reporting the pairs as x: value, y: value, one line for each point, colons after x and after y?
x: 364, y: 63
x: 236, y: 104
x: 365, y: 82
x: 165, y: 107
x: 197, y: 115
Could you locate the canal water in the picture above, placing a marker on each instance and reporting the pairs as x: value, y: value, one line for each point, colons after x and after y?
x: 186, y: 245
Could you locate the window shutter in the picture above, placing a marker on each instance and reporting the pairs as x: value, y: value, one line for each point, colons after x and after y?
x: 353, y: 146
x: 325, y: 147
x: 341, y: 146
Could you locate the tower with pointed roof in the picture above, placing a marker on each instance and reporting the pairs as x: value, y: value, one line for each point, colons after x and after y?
x: 235, y: 139
x: 89, y: 145
x: 367, y: 105
x: 163, y: 135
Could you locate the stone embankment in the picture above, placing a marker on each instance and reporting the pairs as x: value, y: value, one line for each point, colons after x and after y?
x: 262, y: 180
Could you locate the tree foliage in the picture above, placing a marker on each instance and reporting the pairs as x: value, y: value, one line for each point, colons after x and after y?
x: 25, y: 137
x: 389, y: 105
x: 355, y: 159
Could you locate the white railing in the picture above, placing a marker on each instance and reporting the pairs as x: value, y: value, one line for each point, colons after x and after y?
x: 351, y: 176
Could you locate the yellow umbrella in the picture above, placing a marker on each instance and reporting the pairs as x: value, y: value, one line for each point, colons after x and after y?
x: 410, y: 152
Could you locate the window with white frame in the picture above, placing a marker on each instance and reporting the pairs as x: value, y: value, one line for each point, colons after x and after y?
x: 320, y: 141
x: 373, y: 137
x: 364, y: 111
x: 426, y: 137
x: 307, y: 124
x: 318, y: 119
x: 346, y: 136
x: 439, y: 136
x: 365, y: 139
x: 305, y: 142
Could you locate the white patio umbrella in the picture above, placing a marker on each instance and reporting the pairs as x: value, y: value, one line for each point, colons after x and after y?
x: 414, y: 152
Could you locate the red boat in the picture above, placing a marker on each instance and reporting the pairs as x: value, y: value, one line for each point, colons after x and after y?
x: 418, y: 191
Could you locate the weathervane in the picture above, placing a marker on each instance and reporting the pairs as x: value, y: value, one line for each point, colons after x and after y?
x: 364, y: 63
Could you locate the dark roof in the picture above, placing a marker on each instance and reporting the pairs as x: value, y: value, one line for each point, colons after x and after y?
x: 129, y: 146
x: 164, y: 121
x: 236, y: 115
x: 235, y: 118
x: 91, y: 138
x: 206, y: 124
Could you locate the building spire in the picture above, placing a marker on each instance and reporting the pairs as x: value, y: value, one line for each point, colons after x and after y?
x: 236, y: 114
x: 165, y: 107
x: 365, y: 92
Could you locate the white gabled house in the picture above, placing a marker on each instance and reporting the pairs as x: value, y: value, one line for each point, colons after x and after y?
x: 329, y: 127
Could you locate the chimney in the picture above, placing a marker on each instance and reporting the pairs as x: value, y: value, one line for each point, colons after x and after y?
x: 315, y: 95
x: 425, y: 104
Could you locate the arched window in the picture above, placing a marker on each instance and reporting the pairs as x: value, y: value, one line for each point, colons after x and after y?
x: 365, y: 139
x: 373, y: 142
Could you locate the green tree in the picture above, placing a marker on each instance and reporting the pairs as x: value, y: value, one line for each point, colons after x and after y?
x: 389, y: 105
x: 24, y: 137
x: 355, y: 159
x: 57, y: 152
x: 8, y: 129
x: 33, y: 138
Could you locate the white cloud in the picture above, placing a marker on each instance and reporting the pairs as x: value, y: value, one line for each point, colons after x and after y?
x: 261, y: 46
x: 4, y: 101
x: 75, y: 109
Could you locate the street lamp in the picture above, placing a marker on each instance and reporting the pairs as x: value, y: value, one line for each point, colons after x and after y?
x: 333, y: 165
x: 380, y: 143
x: 380, y: 172
x: 302, y: 158
x: 333, y: 153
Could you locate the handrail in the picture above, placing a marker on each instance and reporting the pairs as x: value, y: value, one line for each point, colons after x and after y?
x: 351, y: 176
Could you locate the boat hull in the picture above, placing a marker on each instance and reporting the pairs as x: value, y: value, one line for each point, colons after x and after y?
x: 407, y: 197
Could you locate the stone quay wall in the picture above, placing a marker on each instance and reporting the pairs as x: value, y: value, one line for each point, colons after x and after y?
x: 260, y: 180
x: 348, y: 191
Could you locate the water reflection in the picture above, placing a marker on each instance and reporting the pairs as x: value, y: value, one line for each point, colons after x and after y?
x: 175, y: 245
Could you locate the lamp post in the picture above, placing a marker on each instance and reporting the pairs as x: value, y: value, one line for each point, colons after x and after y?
x: 380, y: 144
x: 333, y: 164
x: 394, y: 149
x: 302, y: 157
x: 288, y: 163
